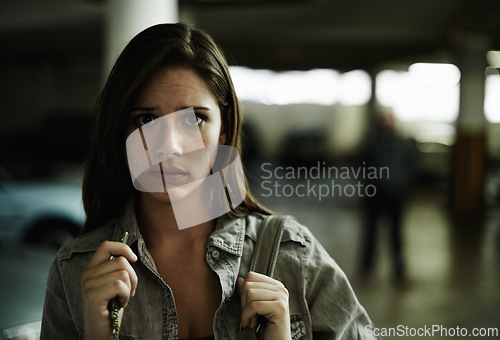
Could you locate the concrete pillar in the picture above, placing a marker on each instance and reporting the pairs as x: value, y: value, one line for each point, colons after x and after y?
x: 126, y: 18
x: 469, y: 156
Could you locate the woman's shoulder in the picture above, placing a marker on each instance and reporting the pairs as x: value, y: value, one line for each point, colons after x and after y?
x: 87, y: 242
x: 297, y: 241
x: 293, y: 230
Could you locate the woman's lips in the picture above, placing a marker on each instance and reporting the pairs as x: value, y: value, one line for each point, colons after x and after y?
x: 173, y: 175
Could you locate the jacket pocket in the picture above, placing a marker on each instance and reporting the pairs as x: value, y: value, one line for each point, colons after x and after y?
x: 297, y: 327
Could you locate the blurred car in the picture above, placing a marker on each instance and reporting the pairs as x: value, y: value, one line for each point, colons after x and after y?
x: 24, y: 269
x: 43, y: 211
x: 47, y: 210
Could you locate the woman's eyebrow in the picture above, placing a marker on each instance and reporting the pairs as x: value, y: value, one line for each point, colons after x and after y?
x: 202, y: 108
x: 151, y: 109
x: 143, y: 109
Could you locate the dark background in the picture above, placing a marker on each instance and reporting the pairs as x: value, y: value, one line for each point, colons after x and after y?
x: 52, y: 68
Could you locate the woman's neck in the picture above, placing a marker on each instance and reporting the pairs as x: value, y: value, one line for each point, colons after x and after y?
x: 158, y: 224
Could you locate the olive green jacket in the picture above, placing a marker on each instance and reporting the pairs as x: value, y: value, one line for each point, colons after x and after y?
x: 322, y: 303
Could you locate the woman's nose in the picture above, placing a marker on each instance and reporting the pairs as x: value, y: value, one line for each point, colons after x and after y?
x: 172, y: 143
x: 174, y: 140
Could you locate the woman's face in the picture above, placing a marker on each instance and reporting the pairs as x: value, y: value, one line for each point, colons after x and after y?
x: 174, y: 135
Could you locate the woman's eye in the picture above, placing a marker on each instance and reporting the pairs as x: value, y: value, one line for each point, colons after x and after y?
x: 142, y: 119
x: 196, y: 119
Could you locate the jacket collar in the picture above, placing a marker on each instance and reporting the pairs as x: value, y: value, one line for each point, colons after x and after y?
x: 228, y: 235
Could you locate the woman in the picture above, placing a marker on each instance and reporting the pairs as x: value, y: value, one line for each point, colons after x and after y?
x: 191, y: 283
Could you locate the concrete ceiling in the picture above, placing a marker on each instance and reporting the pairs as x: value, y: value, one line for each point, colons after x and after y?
x: 274, y: 34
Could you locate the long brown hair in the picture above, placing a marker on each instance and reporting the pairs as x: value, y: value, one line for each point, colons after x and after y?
x: 107, y: 185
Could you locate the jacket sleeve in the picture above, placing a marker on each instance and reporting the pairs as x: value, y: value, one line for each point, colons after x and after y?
x: 57, y: 319
x: 334, y: 309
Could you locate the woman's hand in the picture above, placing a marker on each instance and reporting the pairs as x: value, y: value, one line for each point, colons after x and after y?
x: 103, y: 280
x: 265, y: 296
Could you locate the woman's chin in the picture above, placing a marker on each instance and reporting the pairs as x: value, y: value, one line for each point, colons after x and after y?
x: 160, y: 197
x: 172, y: 195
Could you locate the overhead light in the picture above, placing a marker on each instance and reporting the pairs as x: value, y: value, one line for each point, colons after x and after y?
x: 308, y: 87
x: 318, y: 86
x: 356, y: 88
x: 435, y: 73
x: 427, y: 92
x: 491, y: 98
x: 493, y: 58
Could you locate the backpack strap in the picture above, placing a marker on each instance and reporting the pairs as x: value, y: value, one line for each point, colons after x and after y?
x: 265, y: 255
x: 265, y: 252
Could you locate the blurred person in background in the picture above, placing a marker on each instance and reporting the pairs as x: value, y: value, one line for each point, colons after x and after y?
x: 386, y: 148
x: 192, y: 283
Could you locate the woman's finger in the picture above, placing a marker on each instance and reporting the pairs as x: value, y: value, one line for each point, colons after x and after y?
x: 256, y: 294
x: 111, y: 278
x: 247, y: 285
x: 244, y: 285
x: 104, y: 279
x: 117, y: 265
x: 257, y: 277
x: 262, y: 295
x: 245, y: 322
x: 108, y: 249
x: 105, y: 291
x: 274, y: 311
x: 249, y: 315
